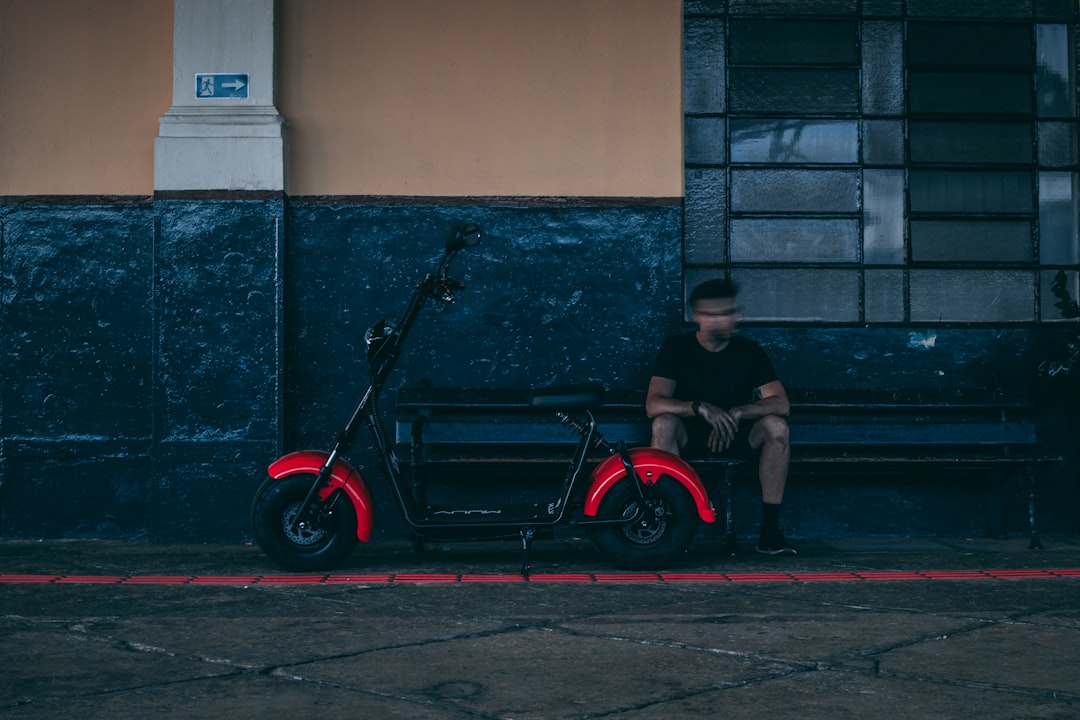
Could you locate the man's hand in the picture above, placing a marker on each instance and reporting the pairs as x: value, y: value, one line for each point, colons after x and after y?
x: 724, y: 423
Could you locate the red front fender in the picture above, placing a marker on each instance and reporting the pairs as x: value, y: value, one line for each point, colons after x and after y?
x: 342, y: 475
x: 651, y: 464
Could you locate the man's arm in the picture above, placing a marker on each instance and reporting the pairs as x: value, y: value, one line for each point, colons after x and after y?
x: 661, y: 400
x: 772, y: 400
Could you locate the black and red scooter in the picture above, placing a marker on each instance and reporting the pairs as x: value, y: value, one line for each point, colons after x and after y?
x: 640, y: 505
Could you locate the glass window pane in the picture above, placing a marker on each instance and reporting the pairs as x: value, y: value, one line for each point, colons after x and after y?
x: 703, y: 65
x: 704, y: 7
x: 884, y: 296
x: 968, y: 44
x: 883, y: 68
x: 794, y: 91
x: 971, y: 241
x: 942, y: 92
x: 883, y: 216
x: 883, y: 142
x: 1057, y: 144
x: 970, y: 191
x: 705, y: 217
x: 704, y: 141
x: 830, y: 295
x: 792, y: 42
x: 1057, y: 10
x: 970, y: 8
x: 801, y: 240
x: 794, y: 141
x: 1058, y: 213
x: 794, y: 191
x: 871, y: 8
x: 1050, y: 310
x: 793, y: 7
x: 1054, y: 74
x: 966, y: 142
x: 972, y: 296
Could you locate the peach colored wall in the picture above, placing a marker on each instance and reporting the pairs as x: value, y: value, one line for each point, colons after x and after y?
x: 482, y: 97
x: 383, y: 97
x: 82, y: 85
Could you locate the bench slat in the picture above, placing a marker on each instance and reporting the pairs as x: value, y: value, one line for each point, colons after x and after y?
x: 539, y: 432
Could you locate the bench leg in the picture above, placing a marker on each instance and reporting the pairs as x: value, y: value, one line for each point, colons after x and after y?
x: 729, y: 510
x: 1036, y: 544
x: 526, y: 548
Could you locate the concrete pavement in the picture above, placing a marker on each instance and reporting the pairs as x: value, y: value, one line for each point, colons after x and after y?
x: 910, y: 628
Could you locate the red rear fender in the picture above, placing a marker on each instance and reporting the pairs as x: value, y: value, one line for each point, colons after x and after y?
x: 651, y: 464
x: 342, y: 475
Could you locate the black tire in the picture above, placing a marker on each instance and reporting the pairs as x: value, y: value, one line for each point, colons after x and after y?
x: 321, y: 547
x: 657, y: 540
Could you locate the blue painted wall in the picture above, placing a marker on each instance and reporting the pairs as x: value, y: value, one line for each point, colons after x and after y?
x: 156, y: 355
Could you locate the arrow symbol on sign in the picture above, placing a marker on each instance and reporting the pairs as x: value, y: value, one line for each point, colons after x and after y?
x: 235, y: 84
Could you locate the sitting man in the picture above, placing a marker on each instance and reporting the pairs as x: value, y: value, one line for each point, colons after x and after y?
x: 713, y: 391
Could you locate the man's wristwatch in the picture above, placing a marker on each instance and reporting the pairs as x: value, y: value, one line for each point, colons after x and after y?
x: 695, y: 407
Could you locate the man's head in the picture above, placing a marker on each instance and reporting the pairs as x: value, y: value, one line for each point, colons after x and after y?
x: 715, y: 310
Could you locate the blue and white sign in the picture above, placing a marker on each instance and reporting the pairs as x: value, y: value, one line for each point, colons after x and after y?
x: 221, y: 86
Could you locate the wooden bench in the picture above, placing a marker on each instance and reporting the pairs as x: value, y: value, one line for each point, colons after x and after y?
x: 939, y: 430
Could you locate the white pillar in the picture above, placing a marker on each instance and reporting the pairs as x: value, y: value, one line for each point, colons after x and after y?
x: 223, y: 133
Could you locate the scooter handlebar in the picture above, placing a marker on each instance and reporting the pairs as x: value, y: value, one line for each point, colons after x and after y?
x: 462, y: 236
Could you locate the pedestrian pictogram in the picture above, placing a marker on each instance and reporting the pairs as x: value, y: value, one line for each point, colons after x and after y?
x: 217, y: 86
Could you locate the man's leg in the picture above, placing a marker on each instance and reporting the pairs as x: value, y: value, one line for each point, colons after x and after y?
x: 669, y: 433
x: 770, y: 436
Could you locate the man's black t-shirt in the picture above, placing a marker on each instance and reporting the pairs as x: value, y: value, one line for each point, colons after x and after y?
x: 725, y: 379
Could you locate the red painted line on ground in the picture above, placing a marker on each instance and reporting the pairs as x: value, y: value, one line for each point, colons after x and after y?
x: 694, y: 577
x: 374, y: 578
x: 626, y: 577
x: 892, y: 575
x: 759, y: 577
x: 157, y: 580
x: 224, y: 580
x: 481, y: 578
x: 562, y: 578
x: 17, y: 578
x: 444, y: 578
x: 291, y: 580
x: 426, y: 578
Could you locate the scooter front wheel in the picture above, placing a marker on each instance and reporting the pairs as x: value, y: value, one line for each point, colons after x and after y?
x: 320, y: 542
x: 655, y: 540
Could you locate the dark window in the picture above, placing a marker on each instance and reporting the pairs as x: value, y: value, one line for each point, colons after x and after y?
x: 799, y: 42
x: 968, y: 92
x: 971, y: 142
x: 970, y: 191
x: 793, y: 91
x: 971, y: 241
x: 984, y: 46
x: 918, y: 160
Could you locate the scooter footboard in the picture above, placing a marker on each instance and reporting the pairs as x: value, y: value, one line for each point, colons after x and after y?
x: 651, y: 464
x: 342, y: 475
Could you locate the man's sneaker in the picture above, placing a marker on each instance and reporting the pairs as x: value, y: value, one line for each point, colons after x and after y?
x: 775, y: 545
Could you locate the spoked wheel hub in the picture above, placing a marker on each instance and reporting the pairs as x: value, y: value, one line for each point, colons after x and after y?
x: 308, y: 532
x: 650, y: 526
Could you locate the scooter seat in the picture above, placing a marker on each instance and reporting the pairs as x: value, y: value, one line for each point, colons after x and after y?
x: 568, y: 397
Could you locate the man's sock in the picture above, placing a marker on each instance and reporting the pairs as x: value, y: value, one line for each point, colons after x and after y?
x: 770, y: 520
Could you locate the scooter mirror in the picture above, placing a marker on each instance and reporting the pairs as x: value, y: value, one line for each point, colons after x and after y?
x: 462, y: 236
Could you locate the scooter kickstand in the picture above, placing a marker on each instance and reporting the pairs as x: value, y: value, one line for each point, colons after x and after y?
x: 526, y: 548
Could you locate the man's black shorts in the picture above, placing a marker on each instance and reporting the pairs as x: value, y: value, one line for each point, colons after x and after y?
x: 697, y: 431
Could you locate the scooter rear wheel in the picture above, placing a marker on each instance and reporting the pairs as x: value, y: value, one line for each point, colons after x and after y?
x: 322, y: 543
x: 656, y: 540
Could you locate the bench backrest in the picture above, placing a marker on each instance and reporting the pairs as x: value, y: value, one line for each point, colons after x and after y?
x: 500, y: 418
